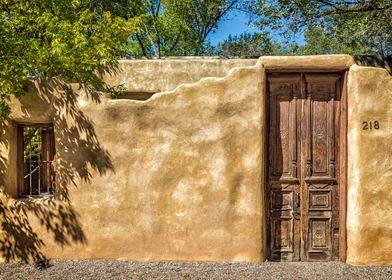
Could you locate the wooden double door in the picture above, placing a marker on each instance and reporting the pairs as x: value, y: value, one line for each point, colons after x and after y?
x: 303, y: 166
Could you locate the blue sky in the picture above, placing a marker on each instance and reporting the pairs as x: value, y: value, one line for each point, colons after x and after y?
x: 237, y: 22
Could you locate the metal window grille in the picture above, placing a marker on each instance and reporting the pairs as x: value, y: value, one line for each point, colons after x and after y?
x: 38, y: 160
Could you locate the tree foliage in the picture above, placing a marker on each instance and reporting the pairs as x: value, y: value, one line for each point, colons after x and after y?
x: 202, y: 18
x: 245, y: 45
x: 355, y: 26
x: 69, y: 40
x: 171, y: 27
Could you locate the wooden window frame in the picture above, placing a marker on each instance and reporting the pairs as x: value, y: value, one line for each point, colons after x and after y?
x: 21, y: 188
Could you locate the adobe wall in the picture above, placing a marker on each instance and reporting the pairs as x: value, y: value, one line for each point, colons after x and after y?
x: 177, y: 177
x: 369, y: 202
x: 157, y: 75
x: 180, y: 176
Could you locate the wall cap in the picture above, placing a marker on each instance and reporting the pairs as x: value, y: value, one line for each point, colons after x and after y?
x: 308, y: 62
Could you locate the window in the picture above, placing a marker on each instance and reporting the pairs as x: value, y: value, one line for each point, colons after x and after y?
x: 36, y: 168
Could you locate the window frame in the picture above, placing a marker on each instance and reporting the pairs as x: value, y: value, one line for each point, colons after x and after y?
x: 21, y: 188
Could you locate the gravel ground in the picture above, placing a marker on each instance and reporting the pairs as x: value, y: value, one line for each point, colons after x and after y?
x: 105, y: 269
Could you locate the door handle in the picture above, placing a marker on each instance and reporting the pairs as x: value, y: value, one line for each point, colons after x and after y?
x: 298, y: 202
x: 296, y: 208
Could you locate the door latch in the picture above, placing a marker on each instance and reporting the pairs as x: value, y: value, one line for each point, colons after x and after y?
x: 297, y: 207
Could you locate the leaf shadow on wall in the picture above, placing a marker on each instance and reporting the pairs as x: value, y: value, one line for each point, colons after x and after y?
x: 78, y: 152
x: 375, y: 61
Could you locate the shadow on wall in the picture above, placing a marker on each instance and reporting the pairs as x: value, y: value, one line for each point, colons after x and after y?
x: 78, y: 151
x: 77, y: 145
x: 374, y: 61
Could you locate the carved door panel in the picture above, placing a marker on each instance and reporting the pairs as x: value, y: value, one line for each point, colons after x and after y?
x: 320, y: 168
x: 284, y: 174
x: 303, y: 192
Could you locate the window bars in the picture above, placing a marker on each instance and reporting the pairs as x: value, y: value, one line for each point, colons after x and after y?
x: 38, y: 160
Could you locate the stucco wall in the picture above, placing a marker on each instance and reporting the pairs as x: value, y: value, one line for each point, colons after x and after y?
x: 180, y: 176
x: 162, y: 75
x: 177, y: 177
x: 369, y: 200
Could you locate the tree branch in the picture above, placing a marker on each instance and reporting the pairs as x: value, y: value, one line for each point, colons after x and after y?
x: 217, y: 18
x: 141, y: 44
x: 151, y: 40
x: 175, y: 43
x: 339, y: 10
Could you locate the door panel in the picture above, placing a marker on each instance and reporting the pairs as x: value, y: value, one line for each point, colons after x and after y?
x: 283, y: 171
x: 303, y: 188
x: 284, y: 222
x: 284, y: 93
x: 320, y: 190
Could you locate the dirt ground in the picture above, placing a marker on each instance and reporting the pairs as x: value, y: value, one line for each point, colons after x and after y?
x: 107, y: 269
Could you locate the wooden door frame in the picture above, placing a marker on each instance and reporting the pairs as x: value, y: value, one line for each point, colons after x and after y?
x: 342, y: 155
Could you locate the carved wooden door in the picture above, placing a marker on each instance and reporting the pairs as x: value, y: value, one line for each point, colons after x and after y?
x: 303, y: 167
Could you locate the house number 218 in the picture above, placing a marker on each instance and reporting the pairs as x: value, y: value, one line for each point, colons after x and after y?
x: 370, y: 125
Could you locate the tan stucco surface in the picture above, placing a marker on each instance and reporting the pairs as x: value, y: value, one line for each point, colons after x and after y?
x: 163, y: 75
x: 180, y: 176
x: 369, y: 201
x: 307, y: 62
x: 177, y: 177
